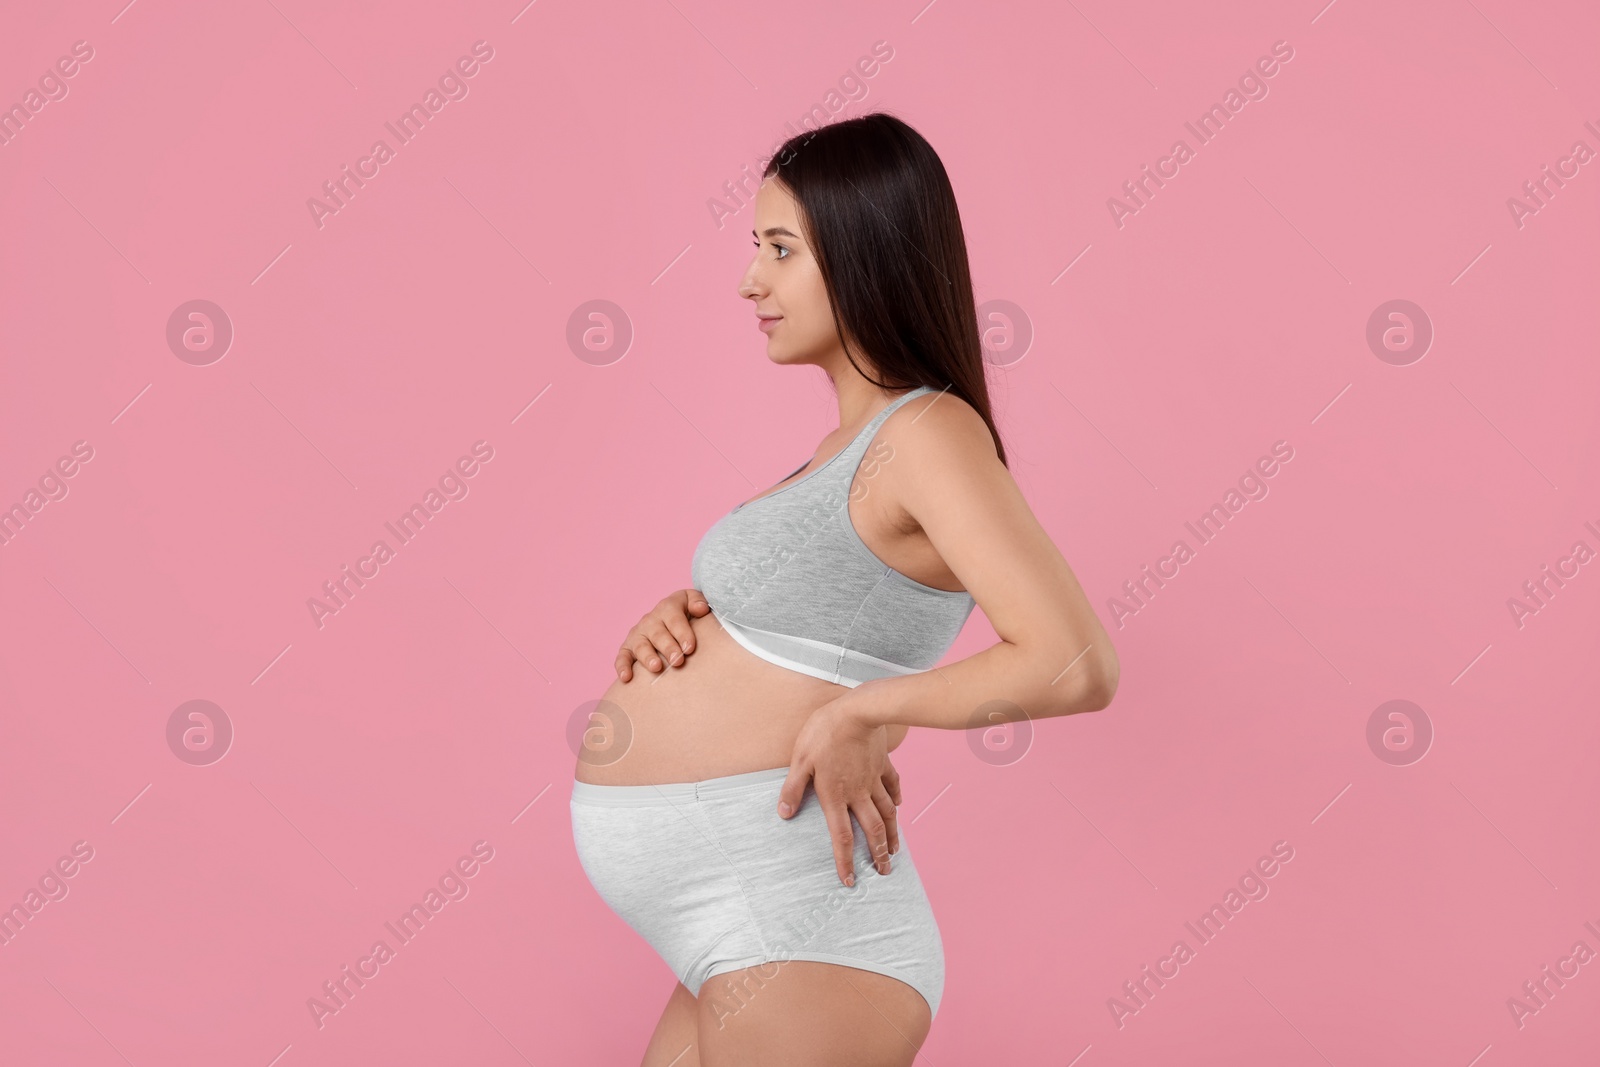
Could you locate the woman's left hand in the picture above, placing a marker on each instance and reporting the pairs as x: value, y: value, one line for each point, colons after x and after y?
x: 849, y: 764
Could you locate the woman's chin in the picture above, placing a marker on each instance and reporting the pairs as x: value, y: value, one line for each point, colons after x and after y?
x: 780, y: 355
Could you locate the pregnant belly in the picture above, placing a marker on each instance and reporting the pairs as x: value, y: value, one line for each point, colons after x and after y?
x: 725, y: 711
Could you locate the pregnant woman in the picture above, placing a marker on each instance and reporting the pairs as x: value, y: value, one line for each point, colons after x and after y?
x: 733, y: 800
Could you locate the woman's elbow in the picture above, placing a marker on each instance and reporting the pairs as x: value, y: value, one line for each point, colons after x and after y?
x: 1103, y: 687
x: 1100, y: 685
x: 1088, y: 684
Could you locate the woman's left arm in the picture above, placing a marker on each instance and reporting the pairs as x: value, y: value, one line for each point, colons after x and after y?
x: 1053, y: 658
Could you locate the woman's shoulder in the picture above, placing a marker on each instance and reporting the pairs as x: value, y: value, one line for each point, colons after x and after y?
x: 939, y: 425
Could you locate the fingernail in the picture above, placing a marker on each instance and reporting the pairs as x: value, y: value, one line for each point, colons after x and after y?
x: 850, y: 879
x: 784, y: 809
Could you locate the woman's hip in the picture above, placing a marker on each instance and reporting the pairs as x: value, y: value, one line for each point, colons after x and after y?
x: 714, y: 878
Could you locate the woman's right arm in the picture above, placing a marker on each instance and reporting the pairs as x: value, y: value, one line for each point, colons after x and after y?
x: 663, y: 632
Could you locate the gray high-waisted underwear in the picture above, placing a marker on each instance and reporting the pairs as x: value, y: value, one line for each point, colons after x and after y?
x: 716, y: 880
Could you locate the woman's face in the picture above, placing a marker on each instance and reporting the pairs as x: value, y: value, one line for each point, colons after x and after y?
x: 784, y: 280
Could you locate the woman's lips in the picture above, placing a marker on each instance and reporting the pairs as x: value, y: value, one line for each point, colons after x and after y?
x: 768, y: 325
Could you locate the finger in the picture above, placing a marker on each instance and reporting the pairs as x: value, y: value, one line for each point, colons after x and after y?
x: 866, y: 813
x: 645, y: 653
x: 842, y: 834
x: 695, y: 602
x: 678, y: 625
x: 624, y: 665
x: 664, y: 642
x: 794, y: 790
x: 891, y: 823
x: 891, y: 781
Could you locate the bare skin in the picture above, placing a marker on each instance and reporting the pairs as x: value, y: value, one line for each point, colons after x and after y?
x: 806, y: 1014
x: 723, y: 710
x: 702, y: 706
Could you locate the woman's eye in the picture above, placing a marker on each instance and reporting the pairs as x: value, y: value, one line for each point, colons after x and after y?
x: 782, y: 249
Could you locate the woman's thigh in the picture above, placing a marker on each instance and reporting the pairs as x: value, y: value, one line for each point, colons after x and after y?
x: 675, y: 1041
x: 798, y: 1013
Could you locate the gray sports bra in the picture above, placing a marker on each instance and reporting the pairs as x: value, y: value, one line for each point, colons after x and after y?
x: 788, y: 576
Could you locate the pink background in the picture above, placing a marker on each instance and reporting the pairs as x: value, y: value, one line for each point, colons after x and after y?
x: 432, y: 311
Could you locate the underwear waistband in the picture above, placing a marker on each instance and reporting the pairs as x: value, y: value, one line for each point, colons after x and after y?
x: 674, y: 792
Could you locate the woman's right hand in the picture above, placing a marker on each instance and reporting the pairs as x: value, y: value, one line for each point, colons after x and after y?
x: 663, y: 632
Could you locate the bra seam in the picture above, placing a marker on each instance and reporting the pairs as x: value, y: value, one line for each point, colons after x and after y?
x: 756, y: 648
x: 844, y: 643
x: 870, y: 556
x: 865, y: 550
x: 737, y: 630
